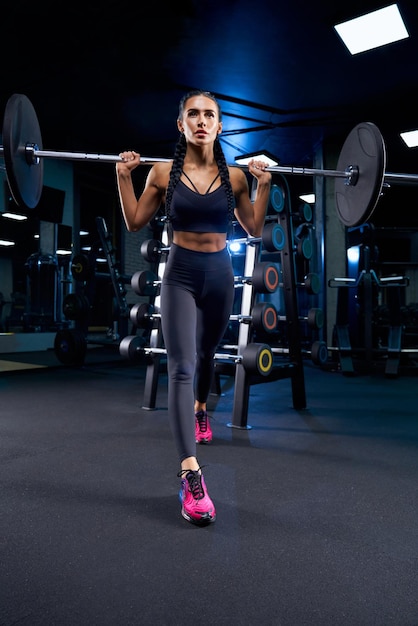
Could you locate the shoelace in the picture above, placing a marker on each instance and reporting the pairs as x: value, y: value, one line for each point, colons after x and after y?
x: 195, y: 484
x: 202, y: 418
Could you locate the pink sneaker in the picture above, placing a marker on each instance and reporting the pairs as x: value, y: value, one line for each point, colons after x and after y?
x: 203, y: 430
x: 196, y: 506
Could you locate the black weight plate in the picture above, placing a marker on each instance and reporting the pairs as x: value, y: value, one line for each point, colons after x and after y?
x: 131, y: 347
x: 151, y: 250
x: 21, y: 128
x: 365, y: 149
x: 70, y: 346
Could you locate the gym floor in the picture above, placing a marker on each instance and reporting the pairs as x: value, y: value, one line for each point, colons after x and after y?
x: 317, y: 508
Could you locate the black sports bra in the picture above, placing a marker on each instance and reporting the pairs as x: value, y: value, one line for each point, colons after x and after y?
x: 193, y: 212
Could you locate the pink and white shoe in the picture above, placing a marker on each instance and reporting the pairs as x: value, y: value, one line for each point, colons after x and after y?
x: 196, y: 505
x: 203, y: 430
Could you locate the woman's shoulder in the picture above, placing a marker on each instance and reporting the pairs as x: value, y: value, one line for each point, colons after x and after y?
x: 159, y: 173
x: 237, y: 177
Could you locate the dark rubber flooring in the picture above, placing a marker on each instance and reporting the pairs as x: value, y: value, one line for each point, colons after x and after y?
x: 317, y: 509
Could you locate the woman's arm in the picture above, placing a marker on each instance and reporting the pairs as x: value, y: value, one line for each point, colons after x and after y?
x: 251, y: 215
x: 138, y: 212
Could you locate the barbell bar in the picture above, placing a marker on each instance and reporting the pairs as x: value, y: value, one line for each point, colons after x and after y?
x: 359, y: 177
x: 257, y: 358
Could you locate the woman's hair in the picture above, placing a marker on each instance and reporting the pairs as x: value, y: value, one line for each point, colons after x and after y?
x: 180, y: 151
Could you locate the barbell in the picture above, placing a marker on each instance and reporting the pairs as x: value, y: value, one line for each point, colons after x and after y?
x: 359, y: 177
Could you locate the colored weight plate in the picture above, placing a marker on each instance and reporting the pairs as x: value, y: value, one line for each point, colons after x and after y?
x: 21, y: 129
x: 319, y: 353
x: 305, y: 212
x: 273, y: 237
x: 315, y: 318
x: 264, y: 317
x: 81, y: 268
x: 312, y: 283
x: 277, y: 198
x: 265, y: 278
x: 257, y: 358
x: 365, y: 149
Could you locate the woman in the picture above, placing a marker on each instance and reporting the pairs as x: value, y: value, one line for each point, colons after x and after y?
x: 201, y: 195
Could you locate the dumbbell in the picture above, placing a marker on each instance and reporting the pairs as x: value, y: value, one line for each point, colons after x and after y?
x: 273, y: 238
x: 143, y: 315
x: 265, y: 279
x: 152, y: 249
x: 318, y: 352
x: 303, y: 240
x: 263, y: 316
x: 277, y: 202
x: 145, y: 283
x: 257, y: 358
x: 315, y: 318
x: 311, y: 283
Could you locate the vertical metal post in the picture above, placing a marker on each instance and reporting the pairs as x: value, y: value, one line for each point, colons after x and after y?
x: 242, y: 382
x: 292, y: 313
x: 156, y: 341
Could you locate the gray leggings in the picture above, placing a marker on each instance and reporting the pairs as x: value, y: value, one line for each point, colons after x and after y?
x: 197, y: 295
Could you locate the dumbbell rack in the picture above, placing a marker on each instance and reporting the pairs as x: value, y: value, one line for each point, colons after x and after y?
x: 156, y: 339
x: 293, y: 366
x: 368, y: 281
x: 290, y: 368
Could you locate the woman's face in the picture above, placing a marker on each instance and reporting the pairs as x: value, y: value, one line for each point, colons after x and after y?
x: 200, y: 122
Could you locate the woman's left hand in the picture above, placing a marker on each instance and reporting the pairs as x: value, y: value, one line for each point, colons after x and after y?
x: 259, y: 169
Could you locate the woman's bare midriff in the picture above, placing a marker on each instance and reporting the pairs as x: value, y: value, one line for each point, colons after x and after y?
x: 200, y: 242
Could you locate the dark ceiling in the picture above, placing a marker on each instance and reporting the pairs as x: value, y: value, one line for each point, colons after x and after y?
x: 107, y: 76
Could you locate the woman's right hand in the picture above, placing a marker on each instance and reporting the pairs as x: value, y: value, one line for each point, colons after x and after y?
x: 130, y: 160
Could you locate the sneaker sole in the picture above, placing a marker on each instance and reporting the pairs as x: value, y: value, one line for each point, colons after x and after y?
x: 203, y: 521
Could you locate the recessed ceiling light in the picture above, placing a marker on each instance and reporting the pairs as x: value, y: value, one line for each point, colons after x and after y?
x: 258, y: 156
x: 15, y: 216
x: 373, y: 29
x: 410, y: 137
